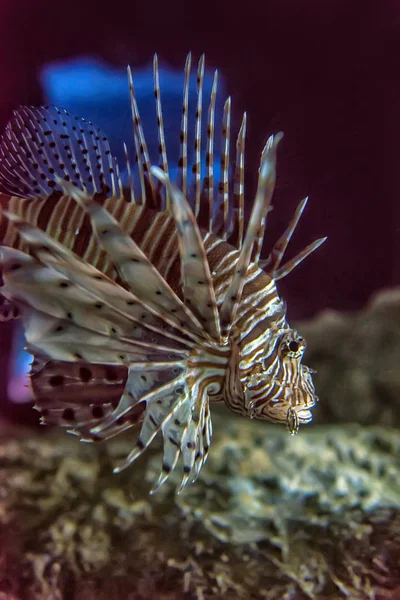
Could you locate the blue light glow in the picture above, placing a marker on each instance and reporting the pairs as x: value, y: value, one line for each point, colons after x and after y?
x: 94, y: 90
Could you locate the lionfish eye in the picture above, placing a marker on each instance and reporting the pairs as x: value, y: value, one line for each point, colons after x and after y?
x: 293, y: 346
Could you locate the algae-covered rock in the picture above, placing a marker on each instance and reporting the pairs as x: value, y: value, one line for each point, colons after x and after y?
x: 357, y: 358
x: 272, y: 516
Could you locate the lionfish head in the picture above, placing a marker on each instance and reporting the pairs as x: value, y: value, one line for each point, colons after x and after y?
x: 282, y: 389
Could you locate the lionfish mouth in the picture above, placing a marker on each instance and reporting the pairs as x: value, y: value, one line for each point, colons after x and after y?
x: 290, y: 405
x: 304, y: 415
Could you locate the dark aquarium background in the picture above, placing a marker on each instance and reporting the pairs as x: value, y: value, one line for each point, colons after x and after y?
x: 324, y: 73
x: 272, y: 516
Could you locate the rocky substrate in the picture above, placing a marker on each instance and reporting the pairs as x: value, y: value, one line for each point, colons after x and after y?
x: 357, y: 358
x: 315, y: 516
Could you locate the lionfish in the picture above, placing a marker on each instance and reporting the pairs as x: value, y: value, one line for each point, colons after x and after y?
x: 143, y: 303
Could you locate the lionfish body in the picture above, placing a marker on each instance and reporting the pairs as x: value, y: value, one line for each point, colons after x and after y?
x: 143, y: 304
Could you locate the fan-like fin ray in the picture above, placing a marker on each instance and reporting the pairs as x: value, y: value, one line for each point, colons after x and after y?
x: 66, y: 324
x: 271, y: 264
x: 274, y: 259
x: 192, y: 445
x: 140, y: 388
x: 162, y: 404
x: 173, y: 432
x: 64, y: 341
x: 203, y: 440
x: 292, y: 264
x: 266, y: 182
x: 198, y: 287
x: 97, y: 286
x: 135, y: 269
x: 186, y: 435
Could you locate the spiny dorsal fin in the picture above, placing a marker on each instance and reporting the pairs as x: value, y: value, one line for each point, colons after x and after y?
x: 196, y: 170
x: 223, y: 187
x: 160, y: 122
x: 129, y: 172
x: 141, y: 146
x: 209, y: 181
x: 183, y: 156
x: 292, y: 263
x: 238, y: 191
x: 271, y: 264
x: 275, y: 257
